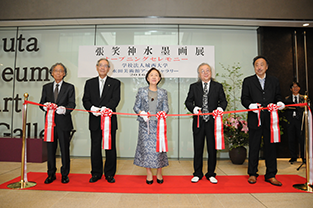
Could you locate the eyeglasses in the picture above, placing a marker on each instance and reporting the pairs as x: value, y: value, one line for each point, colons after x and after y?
x: 103, y: 65
x: 205, y: 71
x: 58, y: 71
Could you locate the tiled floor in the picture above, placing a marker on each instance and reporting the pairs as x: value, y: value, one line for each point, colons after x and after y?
x: 32, y: 198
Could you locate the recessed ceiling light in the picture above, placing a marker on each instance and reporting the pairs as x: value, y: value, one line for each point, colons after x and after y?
x: 305, y: 24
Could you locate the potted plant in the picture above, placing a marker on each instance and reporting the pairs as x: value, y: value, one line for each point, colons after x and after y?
x: 236, y: 134
x: 235, y: 126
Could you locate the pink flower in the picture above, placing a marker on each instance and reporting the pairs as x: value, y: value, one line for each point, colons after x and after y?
x: 245, y: 128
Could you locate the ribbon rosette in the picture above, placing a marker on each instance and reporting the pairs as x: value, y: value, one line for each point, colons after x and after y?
x: 49, y: 124
x: 106, y: 115
x: 161, y: 145
x: 275, y: 131
x: 218, y: 130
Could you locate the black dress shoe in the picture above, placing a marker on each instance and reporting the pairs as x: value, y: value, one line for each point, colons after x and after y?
x: 160, y: 181
x: 65, y: 179
x: 149, y: 182
x: 50, y: 179
x: 94, y: 179
x: 110, y: 179
x: 293, y: 160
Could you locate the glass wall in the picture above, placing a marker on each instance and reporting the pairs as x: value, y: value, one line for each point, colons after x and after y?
x: 26, y: 54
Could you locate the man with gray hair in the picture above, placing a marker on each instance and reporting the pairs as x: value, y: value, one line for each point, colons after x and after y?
x: 205, y: 95
x: 62, y: 94
x: 102, y: 92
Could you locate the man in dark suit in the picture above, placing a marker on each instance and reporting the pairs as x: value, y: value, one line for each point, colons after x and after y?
x: 102, y: 92
x: 259, y: 90
x: 205, y: 95
x: 63, y: 95
x: 294, y: 116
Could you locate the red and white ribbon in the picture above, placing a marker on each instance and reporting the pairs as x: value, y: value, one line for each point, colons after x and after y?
x: 49, y: 124
x: 106, y: 128
x: 218, y: 130
x: 161, y: 145
x: 275, y: 131
x: 259, y: 113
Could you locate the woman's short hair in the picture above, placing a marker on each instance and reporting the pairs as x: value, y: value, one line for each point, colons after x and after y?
x: 150, y: 72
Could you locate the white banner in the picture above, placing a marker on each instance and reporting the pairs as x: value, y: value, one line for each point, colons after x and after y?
x: 136, y: 60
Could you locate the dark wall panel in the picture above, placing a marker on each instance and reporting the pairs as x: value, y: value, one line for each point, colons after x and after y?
x: 278, y: 45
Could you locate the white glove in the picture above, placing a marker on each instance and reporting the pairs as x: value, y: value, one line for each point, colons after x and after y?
x: 280, y: 105
x: 254, y: 106
x: 60, y: 110
x: 103, y: 108
x: 45, y: 108
x: 145, y: 118
x: 196, y: 110
x: 220, y: 109
x: 97, y: 113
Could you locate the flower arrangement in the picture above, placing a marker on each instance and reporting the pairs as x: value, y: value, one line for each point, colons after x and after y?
x: 236, y: 131
x: 235, y: 126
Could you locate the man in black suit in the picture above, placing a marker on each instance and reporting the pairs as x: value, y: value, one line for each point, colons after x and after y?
x: 63, y: 95
x: 195, y: 101
x: 294, y: 116
x: 259, y: 90
x: 102, y: 92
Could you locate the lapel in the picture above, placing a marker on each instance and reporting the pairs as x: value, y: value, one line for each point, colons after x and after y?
x: 159, y: 97
x: 199, y: 90
x: 50, y: 94
x: 200, y: 87
x: 146, y: 95
x: 301, y: 99
x: 257, y: 82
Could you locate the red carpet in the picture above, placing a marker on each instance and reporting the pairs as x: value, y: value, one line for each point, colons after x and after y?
x: 171, y: 185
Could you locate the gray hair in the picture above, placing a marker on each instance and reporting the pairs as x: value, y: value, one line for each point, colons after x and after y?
x: 54, y: 65
x: 102, y: 60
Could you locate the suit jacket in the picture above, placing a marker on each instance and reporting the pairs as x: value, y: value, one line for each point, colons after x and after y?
x: 195, y: 98
x: 110, y: 99
x: 65, y: 98
x: 142, y: 102
x: 252, y: 93
x: 289, y: 110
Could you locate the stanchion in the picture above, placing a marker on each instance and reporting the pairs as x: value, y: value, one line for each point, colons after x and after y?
x: 307, y: 186
x: 23, y: 183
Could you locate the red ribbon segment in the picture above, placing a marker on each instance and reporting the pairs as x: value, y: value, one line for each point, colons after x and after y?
x: 219, y: 130
x: 161, y: 145
x: 275, y: 131
x: 49, y: 124
x: 106, y: 115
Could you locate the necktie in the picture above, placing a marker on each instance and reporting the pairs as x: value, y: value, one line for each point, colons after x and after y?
x: 296, y: 100
x: 56, y: 93
x: 101, y: 87
x: 205, y: 102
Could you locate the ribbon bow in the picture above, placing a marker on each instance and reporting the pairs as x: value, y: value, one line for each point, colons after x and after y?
x: 49, y: 124
x: 106, y: 115
x: 218, y: 130
x: 161, y: 145
x: 275, y: 131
